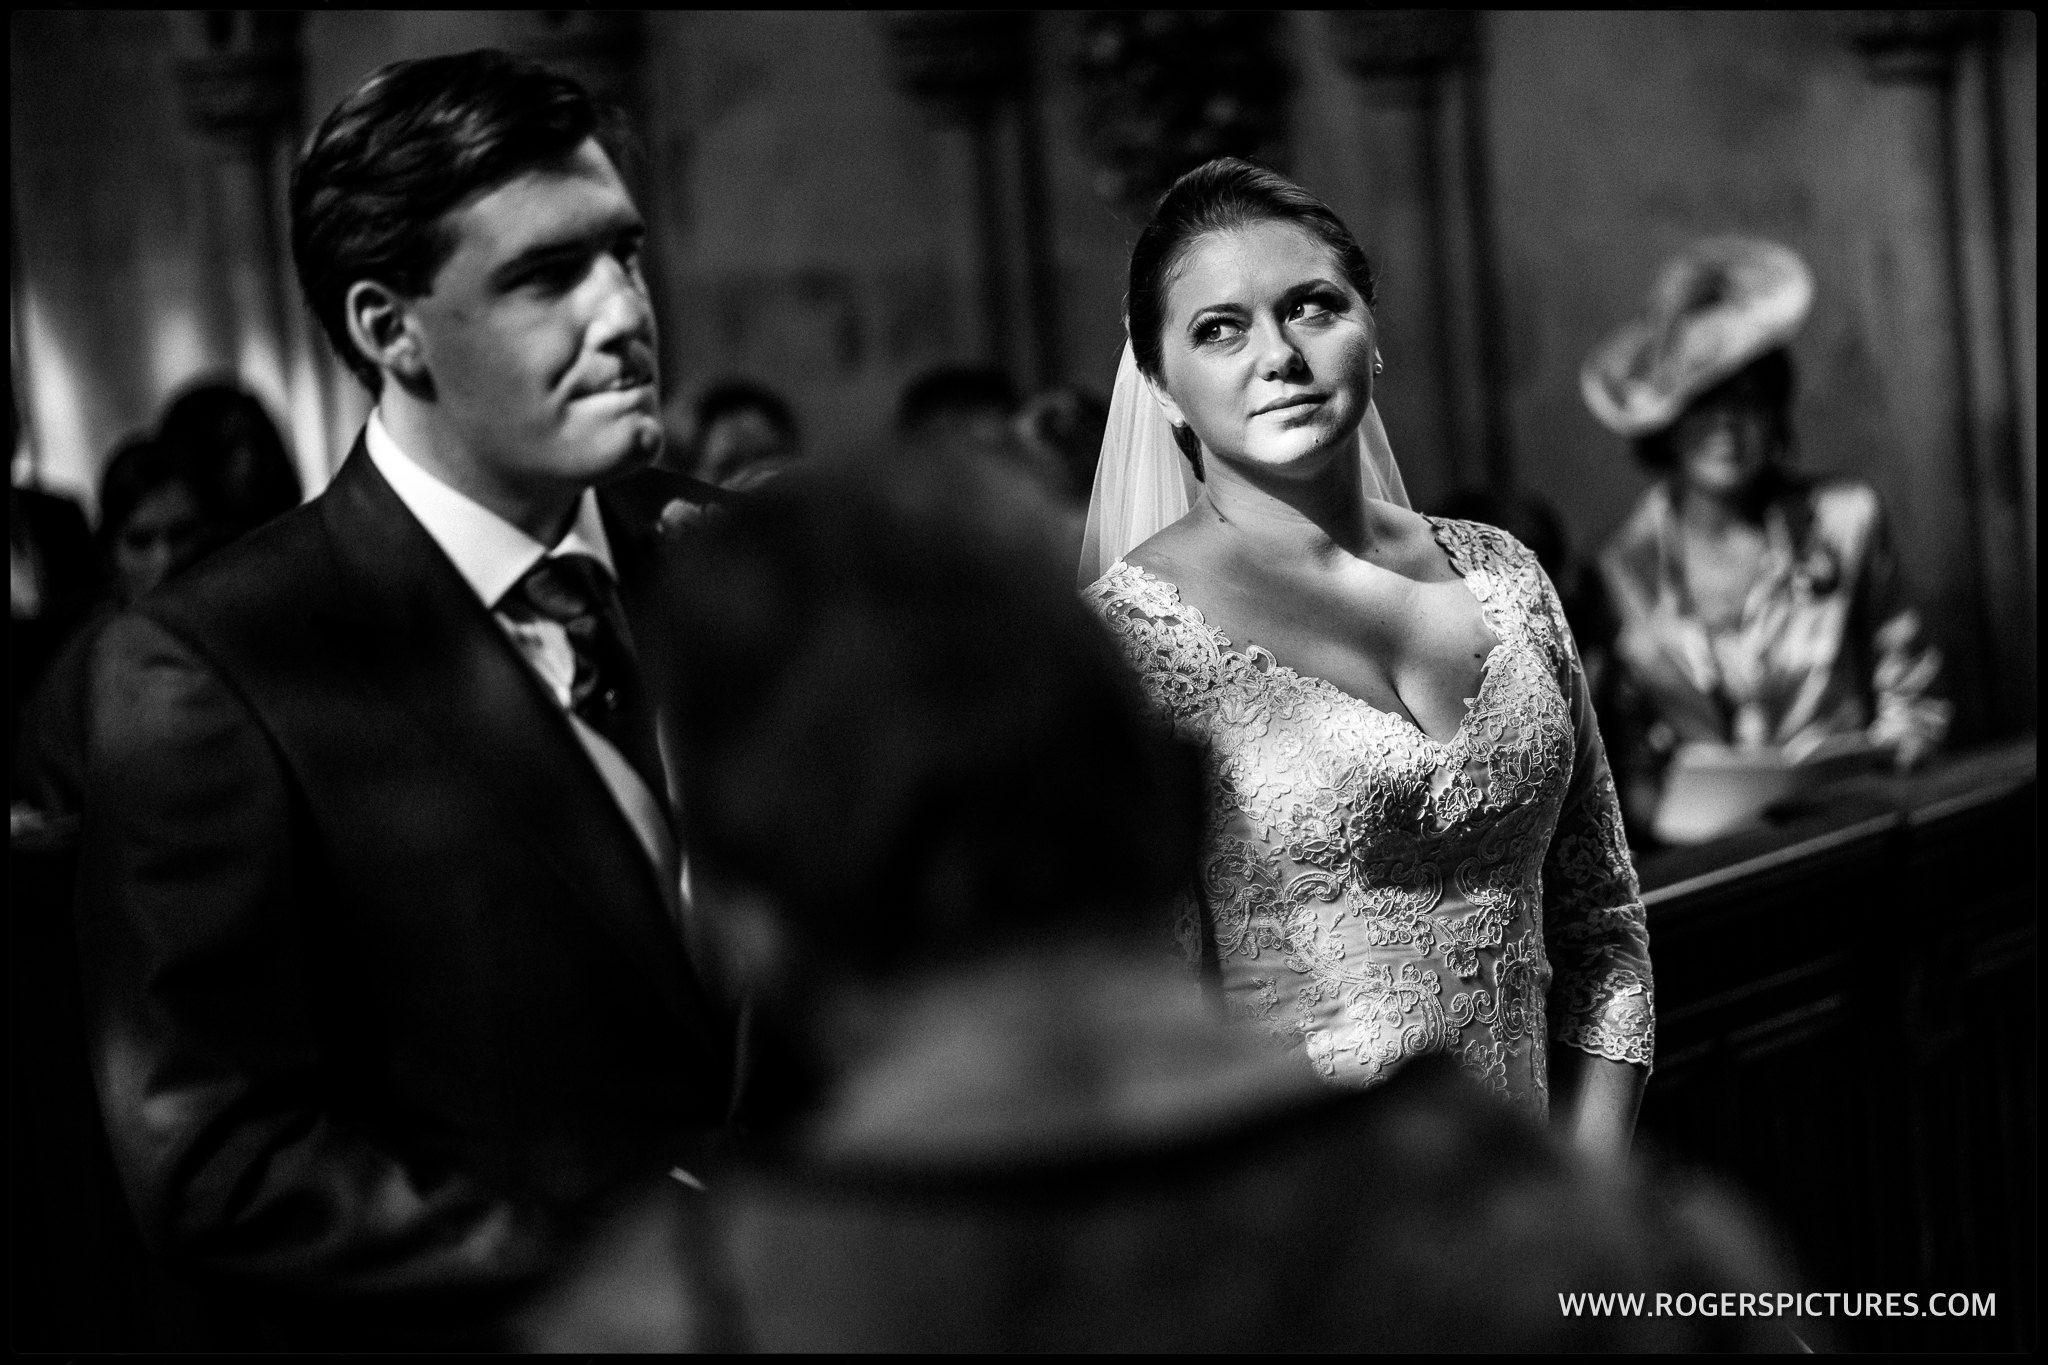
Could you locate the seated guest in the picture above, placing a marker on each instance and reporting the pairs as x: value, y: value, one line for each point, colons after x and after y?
x: 937, y: 831
x: 158, y: 515
x: 51, y: 584
x: 378, y: 905
x: 1756, y: 606
x: 50, y: 579
x: 156, y: 518
x: 745, y: 435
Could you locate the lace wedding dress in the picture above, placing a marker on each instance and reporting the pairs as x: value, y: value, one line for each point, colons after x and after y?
x: 1372, y: 895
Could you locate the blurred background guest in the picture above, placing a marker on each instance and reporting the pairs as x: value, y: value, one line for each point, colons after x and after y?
x: 742, y: 435
x: 958, y: 405
x: 1758, y: 607
x: 940, y: 836
x: 235, y: 453
x: 155, y: 519
x: 158, y: 514
x: 52, y: 576
x: 1066, y: 423
x: 215, y: 470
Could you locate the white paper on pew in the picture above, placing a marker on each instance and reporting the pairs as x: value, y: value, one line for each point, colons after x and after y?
x: 1715, y: 789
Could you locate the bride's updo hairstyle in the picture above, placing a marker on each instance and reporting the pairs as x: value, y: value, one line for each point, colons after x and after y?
x: 1215, y: 197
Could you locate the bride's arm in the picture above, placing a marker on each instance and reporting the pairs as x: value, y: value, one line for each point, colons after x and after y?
x: 1593, y: 1101
x: 1602, y: 1017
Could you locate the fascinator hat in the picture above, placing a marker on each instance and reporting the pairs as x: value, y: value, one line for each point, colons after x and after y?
x: 1721, y: 304
x: 1143, y: 484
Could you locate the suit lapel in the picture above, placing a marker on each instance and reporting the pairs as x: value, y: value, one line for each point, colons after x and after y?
x: 416, y: 630
x: 635, y: 544
x: 632, y: 511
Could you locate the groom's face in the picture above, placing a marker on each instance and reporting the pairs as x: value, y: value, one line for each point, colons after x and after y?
x: 537, y: 336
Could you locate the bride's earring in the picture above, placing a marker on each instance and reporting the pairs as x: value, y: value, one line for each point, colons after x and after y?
x: 1377, y: 363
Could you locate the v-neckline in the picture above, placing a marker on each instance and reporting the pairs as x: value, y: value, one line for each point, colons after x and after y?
x: 1245, y: 653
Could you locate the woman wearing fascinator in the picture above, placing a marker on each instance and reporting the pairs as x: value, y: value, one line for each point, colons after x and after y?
x: 1758, y: 608
x: 1413, y: 842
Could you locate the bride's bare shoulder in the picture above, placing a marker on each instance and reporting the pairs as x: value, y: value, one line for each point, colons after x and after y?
x: 1173, y: 551
x: 1408, y: 543
x: 1398, y: 525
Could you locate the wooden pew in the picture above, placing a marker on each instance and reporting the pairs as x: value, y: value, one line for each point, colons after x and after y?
x: 1846, y: 1023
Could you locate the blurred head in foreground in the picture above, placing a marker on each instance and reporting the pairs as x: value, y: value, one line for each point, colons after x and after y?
x: 905, y: 745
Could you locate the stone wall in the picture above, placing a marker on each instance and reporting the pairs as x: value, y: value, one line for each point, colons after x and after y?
x: 817, y: 227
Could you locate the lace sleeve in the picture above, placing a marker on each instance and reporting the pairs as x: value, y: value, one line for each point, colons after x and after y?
x: 1175, y: 658
x: 1595, y: 930
x: 1168, y: 654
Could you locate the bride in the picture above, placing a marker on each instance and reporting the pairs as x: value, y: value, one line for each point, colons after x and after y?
x: 1413, y: 841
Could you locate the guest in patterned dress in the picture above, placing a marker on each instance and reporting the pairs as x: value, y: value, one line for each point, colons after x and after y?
x: 1413, y: 842
x: 1755, y: 606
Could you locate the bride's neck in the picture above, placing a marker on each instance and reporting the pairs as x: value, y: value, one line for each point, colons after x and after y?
x: 1281, y: 521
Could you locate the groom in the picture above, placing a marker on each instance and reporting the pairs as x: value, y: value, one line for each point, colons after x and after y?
x: 379, y: 916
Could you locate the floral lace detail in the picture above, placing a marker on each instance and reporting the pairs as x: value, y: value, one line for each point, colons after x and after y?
x: 1374, y: 895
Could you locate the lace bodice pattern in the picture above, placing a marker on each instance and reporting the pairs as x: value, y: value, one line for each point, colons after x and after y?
x: 1372, y: 895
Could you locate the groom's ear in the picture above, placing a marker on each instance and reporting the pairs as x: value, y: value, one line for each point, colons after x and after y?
x: 381, y: 326
x: 1165, y: 401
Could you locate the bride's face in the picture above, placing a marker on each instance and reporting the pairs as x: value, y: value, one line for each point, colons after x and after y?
x: 1266, y: 349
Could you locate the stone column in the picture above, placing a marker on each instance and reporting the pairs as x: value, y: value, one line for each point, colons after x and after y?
x: 1937, y: 282
x: 1419, y: 74
x: 972, y: 70
x: 238, y: 74
x: 2000, y: 385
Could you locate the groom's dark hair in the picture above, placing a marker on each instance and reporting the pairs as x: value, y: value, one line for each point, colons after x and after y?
x: 413, y: 141
x: 1215, y: 197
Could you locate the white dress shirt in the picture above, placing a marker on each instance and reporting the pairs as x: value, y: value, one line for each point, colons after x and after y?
x: 492, y: 555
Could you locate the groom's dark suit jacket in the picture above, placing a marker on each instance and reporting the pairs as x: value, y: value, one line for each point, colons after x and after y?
x: 385, y: 999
